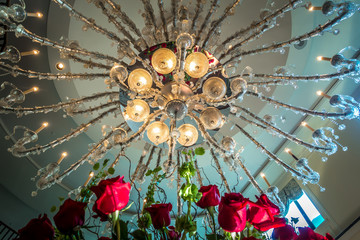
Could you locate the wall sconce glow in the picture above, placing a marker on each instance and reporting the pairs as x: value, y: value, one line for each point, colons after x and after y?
x: 63, y: 155
x: 29, y: 53
x: 37, y: 14
x: 33, y: 89
x: 43, y: 126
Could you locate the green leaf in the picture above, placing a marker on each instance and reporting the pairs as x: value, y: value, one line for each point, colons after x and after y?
x: 96, y: 166
x: 53, y: 209
x: 123, y: 230
x: 123, y: 210
x: 138, y: 235
x: 111, y: 171
x: 199, y: 151
x: 105, y: 162
x: 157, y: 169
x: 61, y: 199
x: 149, y: 172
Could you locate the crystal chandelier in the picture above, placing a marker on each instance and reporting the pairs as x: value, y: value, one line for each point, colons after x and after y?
x: 179, y: 87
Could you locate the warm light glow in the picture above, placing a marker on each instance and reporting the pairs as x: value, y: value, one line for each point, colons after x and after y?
x: 196, y: 65
x: 188, y: 135
x: 164, y: 61
x: 311, y: 8
x: 262, y: 175
x: 29, y: 53
x: 33, y: 89
x: 320, y: 58
x: 303, y: 124
x: 60, y: 66
x: 39, y: 14
x: 36, y: 52
x: 138, y: 110
x: 287, y: 150
x: 44, y: 125
x: 140, y: 80
x: 63, y: 155
x: 319, y: 93
x: 157, y: 132
x: 265, y: 179
x: 89, y: 178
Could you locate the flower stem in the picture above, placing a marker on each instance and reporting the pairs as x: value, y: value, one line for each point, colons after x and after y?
x: 118, y: 229
x: 211, y: 212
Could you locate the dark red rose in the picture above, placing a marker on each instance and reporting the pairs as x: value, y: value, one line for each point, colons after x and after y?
x: 251, y: 238
x: 286, y: 232
x: 232, y: 212
x: 160, y: 214
x: 70, y: 215
x: 329, y: 237
x: 262, y: 214
x: 210, y: 196
x: 307, y: 233
x: 38, y: 228
x: 112, y: 194
x: 172, y: 234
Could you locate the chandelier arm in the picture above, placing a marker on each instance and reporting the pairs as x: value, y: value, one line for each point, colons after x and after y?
x: 199, y: 178
x: 55, y: 107
x: 256, y: 35
x: 117, y: 24
x: 289, y: 6
x: 199, y: 8
x: 273, y: 156
x: 174, y: 9
x: 300, y: 109
x: 125, y: 19
x: 286, y: 135
x: 89, y: 63
x: 200, y: 82
x: 221, y: 173
x: 315, y: 32
x: 251, y: 122
x: 217, y: 23
x: 15, y: 70
x: 82, y: 128
x: 281, y: 79
x: 152, y: 151
x: 149, y: 17
x: 249, y: 175
x: 178, y: 185
x: 163, y: 20
x: 97, y: 108
x: 133, y: 176
x: 158, y: 158
x: 214, y: 145
x: 223, y: 101
x: 81, y: 161
x: 172, y: 144
x: 89, y: 22
x: 212, y: 9
x: 116, y: 161
x: 21, y: 31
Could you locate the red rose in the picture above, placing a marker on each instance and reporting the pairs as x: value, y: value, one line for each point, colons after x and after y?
x: 38, y: 228
x: 112, y: 194
x: 309, y: 234
x: 172, y: 234
x: 210, y: 196
x: 160, y: 214
x: 286, y: 232
x: 70, y: 215
x: 261, y: 214
x: 329, y: 237
x: 232, y: 212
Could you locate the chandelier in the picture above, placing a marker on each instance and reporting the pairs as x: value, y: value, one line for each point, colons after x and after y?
x: 177, y: 83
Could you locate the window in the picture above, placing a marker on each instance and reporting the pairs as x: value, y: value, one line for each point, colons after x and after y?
x: 307, y: 213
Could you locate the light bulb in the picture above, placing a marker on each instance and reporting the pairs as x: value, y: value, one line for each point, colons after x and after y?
x: 60, y: 66
x: 36, y: 52
x: 158, y: 132
x: 164, y: 61
x: 319, y: 93
x: 212, y: 118
x: 214, y: 88
x: 138, y: 110
x: 140, y: 80
x: 188, y: 135
x: 319, y: 58
x: 196, y: 65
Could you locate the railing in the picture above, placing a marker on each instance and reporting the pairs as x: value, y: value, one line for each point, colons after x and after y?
x: 6, y: 232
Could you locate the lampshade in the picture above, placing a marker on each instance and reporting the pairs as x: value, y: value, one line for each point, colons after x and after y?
x: 212, y: 118
x: 140, y: 80
x: 158, y: 132
x: 188, y: 135
x: 164, y: 61
x: 118, y: 73
x: 214, y: 88
x: 196, y: 65
x: 138, y: 110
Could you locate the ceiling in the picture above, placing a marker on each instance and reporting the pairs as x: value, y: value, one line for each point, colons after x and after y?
x: 16, y: 173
